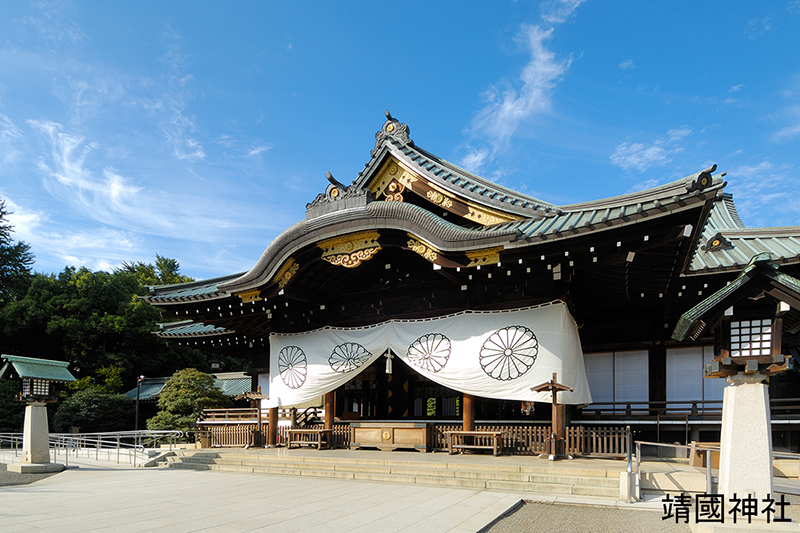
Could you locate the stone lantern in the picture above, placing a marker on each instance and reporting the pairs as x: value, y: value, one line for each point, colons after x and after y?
x: 745, y: 320
x: 37, y: 377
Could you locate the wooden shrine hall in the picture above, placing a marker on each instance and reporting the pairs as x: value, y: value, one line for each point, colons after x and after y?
x: 422, y: 299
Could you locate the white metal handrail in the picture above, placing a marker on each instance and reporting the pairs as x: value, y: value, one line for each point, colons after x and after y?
x: 109, y: 446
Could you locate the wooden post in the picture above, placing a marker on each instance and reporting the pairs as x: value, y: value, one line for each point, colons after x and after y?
x: 468, y: 413
x: 272, y: 439
x: 558, y: 425
x: 258, y: 406
x: 329, y: 410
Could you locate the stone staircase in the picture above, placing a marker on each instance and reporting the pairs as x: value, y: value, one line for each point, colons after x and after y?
x: 558, y: 479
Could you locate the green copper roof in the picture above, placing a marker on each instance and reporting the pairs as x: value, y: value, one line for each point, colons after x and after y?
x: 761, y: 266
x: 230, y: 383
x: 29, y: 367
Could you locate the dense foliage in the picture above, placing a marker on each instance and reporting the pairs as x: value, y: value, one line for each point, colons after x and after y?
x: 94, y: 320
x: 94, y: 411
x: 182, y: 399
x: 15, y: 260
x: 165, y: 271
x: 12, y: 410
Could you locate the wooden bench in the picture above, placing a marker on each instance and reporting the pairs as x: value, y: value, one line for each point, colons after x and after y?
x: 456, y: 441
x: 310, y: 437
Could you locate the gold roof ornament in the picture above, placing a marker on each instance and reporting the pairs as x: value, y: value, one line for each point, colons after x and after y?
x: 425, y: 250
x: 487, y: 256
x: 350, y: 250
x: 286, y: 272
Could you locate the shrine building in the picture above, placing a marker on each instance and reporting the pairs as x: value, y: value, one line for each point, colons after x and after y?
x: 423, y: 293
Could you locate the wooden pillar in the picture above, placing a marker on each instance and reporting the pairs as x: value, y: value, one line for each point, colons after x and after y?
x: 272, y: 439
x: 469, y: 413
x: 329, y: 400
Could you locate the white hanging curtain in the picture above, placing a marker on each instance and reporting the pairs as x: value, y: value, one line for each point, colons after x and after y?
x: 492, y: 354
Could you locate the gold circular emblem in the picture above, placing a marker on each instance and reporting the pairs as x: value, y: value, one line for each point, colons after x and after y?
x: 704, y: 181
x: 387, y: 435
x: 335, y: 193
x: 390, y: 128
x: 715, y: 242
x: 392, y: 170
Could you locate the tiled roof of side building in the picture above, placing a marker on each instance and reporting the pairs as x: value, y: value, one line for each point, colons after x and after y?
x: 726, y: 244
x: 182, y: 292
x: 187, y: 328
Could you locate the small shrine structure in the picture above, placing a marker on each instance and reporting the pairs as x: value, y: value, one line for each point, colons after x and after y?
x: 746, y: 321
x: 37, y: 377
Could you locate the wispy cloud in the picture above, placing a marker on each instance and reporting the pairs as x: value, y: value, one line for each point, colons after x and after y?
x: 108, y: 194
x: 736, y: 88
x: 10, y: 137
x: 507, y: 107
x: 792, y: 129
x: 100, y: 249
x: 509, y: 104
x: 757, y: 27
x: 104, y: 194
x: 54, y: 22
x: 627, y: 64
x: 643, y: 156
x: 259, y: 149
x: 759, y: 190
x: 558, y: 11
x: 647, y: 184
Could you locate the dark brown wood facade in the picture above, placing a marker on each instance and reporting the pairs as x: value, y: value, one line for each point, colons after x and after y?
x: 414, y: 236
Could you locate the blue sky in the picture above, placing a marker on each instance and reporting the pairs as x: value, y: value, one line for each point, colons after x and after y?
x: 199, y: 130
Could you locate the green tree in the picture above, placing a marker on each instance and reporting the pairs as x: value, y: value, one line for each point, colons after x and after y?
x: 165, y: 271
x: 94, y: 320
x: 15, y: 261
x: 108, y: 381
x: 94, y: 411
x: 12, y: 411
x: 184, y: 397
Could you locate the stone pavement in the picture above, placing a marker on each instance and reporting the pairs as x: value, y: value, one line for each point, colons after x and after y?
x: 103, y: 496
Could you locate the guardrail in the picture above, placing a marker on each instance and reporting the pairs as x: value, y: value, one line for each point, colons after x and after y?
x: 686, y: 449
x: 652, y: 410
x: 119, y: 446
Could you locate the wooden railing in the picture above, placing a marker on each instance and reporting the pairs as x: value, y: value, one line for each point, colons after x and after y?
x: 229, y: 415
x: 237, y: 427
x: 533, y: 440
x: 779, y: 408
x: 231, y: 435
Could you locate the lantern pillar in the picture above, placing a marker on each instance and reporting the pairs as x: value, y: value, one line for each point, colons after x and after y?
x: 745, y: 462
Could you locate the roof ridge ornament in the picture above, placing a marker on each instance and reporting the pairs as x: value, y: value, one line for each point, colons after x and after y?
x: 335, y: 192
x: 704, y: 179
x: 394, y: 129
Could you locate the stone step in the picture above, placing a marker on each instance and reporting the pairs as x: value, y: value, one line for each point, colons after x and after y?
x: 576, y: 480
x: 553, y: 488
x: 476, y: 476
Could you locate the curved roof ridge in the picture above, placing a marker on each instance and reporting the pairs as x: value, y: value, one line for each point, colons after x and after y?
x: 454, y: 179
x: 488, y: 183
x: 645, y: 194
x: 399, y: 216
x: 731, y: 207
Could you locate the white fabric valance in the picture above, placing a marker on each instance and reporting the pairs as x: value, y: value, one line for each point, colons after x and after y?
x: 492, y: 354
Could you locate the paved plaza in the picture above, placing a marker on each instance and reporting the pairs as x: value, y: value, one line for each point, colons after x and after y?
x: 104, y: 496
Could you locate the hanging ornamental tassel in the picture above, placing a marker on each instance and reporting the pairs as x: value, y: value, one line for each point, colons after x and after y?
x: 389, y: 358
